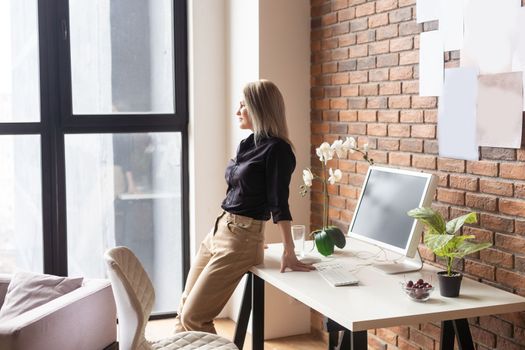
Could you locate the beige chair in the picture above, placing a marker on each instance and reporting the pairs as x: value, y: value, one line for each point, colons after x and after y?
x: 134, y: 296
x: 83, y: 319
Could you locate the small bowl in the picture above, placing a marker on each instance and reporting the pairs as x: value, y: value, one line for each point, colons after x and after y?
x: 420, y: 294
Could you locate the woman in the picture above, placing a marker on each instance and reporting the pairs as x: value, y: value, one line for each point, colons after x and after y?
x: 258, y: 187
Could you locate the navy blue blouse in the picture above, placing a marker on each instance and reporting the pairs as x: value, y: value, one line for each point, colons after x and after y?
x: 259, y: 179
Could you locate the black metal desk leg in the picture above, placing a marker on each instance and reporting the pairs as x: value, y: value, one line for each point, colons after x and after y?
x: 462, y: 330
x: 258, y: 313
x: 244, y: 313
x: 447, y: 336
x: 354, y: 340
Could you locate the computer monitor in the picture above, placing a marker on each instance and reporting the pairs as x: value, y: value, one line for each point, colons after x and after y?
x: 380, y: 217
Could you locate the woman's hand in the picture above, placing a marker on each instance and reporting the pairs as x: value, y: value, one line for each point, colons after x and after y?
x: 289, y: 260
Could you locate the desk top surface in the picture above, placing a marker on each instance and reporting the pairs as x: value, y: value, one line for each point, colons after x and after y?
x: 378, y: 300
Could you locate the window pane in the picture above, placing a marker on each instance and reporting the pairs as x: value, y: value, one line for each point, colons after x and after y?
x: 19, y: 64
x: 122, y: 56
x: 125, y: 189
x: 20, y: 204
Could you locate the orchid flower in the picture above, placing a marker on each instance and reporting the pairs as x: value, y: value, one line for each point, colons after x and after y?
x: 324, y: 152
x: 350, y: 144
x: 335, y: 176
x: 308, y: 177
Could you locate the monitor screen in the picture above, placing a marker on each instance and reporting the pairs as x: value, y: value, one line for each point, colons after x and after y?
x: 381, y: 216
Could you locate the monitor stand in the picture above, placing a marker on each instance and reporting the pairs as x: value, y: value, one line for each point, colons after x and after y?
x: 401, y: 265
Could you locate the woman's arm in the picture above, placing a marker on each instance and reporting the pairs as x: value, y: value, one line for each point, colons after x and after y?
x: 288, y: 258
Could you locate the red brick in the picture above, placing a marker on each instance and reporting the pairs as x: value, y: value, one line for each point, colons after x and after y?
x: 451, y: 196
x: 479, y: 269
x: 424, y: 161
x: 385, y: 5
x: 348, y: 116
x: 496, y: 325
x: 359, y: 24
x: 411, y: 145
x: 387, y: 32
x: 401, y: 73
x: 431, y: 116
x: 339, y: 4
x: 332, y: 91
x: 481, y: 201
x: 379, y: 47
x: 431, y: 330
x: 336, y: 201
x: 339, y: 103
x: 341, y: 28
x: 328, y: 19
x: 512, y: 207
x: 320, y: 128
x: 366, y: 36
x: 388, y: 117
x: 399, y: 158
x: 496, y: 187
x: 519, y: 189
x: 346, y: 14
x: 368, y: 90
x: 357, y: 128
x: 391, y: 88
x: 461, y: 182
x: 411, y: 116
x: 339, y: 54
x: 357, y: 102
x: 405, y: 345
x: 330, y: 115
x: 451, y: 165
x: 496, y: 257
x: 359, y: 51
x: 338, y: 128
x: 378, y: 74
x: 507, y: 344
x: 510, y: 243
x: 366, y: 116
x: 421, y: 339
x: 387, y: 336
x: 388, y: 60
x: 410, y: 87
x: 377, y: 102
x: 483, y: 337
x: 401, y: 44
x: 365, y: 9
x: 409, y: 57
x: 347, y: 39
x: 350, y: 90
x: 377, y: 129
x: 399, y: 102
x: 512, y: 171
x: 378, y: 20
x: 424, y: 131
x: 424, y: 102
x: 340, y: 79
x: 388, y: 144
x: 399, y: 130
x: 486, y: 168
x: 496, y: 223
x: 510, y: 278
x: 358, y: 77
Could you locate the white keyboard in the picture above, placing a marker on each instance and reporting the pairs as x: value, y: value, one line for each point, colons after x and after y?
x: 336, y: 274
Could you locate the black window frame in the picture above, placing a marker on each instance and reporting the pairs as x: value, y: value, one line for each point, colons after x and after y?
x: 58, y: 120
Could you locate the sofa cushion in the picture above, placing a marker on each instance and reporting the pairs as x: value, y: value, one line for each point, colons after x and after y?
x: 28, y: 290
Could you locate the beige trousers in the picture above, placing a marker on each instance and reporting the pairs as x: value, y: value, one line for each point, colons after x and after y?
x: 234, y: 245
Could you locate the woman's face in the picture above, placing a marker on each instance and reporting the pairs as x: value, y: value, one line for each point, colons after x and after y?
x: 245, y: 122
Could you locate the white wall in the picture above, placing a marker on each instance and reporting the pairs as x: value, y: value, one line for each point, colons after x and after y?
x: 233, y: 42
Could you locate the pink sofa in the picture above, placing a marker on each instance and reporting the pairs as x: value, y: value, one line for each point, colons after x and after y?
x: 84, y: 319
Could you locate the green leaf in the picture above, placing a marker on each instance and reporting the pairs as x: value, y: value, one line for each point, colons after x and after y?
x: 454, y: 225
x: 324, y: 244
x: 337, y: 236
x: 431, y: 218
x: 466, y: 248
x: 436, y: 241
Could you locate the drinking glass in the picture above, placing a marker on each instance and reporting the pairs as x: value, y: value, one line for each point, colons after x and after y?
x: 298, y: 232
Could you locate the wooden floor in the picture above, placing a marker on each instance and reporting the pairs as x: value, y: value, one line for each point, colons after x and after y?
x: 163, y: 328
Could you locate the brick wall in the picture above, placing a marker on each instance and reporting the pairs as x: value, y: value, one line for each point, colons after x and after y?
x: 364, y: 83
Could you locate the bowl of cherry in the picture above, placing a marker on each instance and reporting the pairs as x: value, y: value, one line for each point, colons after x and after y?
x: 417, y: 291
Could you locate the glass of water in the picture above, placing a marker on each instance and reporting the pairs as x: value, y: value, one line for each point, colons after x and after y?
x: 298, y: 232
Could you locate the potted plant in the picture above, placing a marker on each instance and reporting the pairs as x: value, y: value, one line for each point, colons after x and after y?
x: 329, y: 236
x: 442, y: 239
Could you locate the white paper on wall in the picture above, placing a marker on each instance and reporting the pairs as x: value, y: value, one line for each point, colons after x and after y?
x: 489, y: 36
x: 457, y: 115
x: 431, y: 64
x: 518, y: 56
x: 451, y: 23
x: 427, y: 10
x: 500, y: 110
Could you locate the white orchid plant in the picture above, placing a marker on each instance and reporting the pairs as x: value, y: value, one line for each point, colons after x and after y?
x: 328, y: 237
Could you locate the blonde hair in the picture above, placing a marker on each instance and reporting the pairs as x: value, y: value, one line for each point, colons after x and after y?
x: 265, y: 105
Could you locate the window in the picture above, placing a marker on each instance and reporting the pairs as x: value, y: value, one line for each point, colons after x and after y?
x: 93, y: 137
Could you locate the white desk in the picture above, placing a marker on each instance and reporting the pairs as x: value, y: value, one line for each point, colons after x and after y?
x: 378, y: 300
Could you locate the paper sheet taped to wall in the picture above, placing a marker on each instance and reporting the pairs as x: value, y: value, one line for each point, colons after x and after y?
x: 457, y: 115
x: 431, y: 64
x: 500, y: 115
